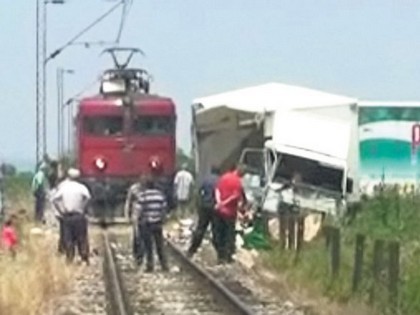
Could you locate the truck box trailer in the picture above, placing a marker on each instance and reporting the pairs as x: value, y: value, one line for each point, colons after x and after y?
x: 224, y: 124
x: 389, y: 137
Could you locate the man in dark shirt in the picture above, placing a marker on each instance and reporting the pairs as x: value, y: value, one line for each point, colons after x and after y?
x: 151, y: 206
x: 205, y: 211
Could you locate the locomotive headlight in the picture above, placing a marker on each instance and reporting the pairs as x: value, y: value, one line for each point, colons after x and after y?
x: 119, y: 102
x: 100, y: 164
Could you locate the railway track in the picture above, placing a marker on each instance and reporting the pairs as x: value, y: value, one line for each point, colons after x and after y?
x: 187, y: 289
x: 243, y: 286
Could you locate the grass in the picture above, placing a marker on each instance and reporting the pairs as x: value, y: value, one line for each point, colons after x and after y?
x: 37, y: 275
x: 389, y: 217
x: 32, y: 280
x: 18, y: 191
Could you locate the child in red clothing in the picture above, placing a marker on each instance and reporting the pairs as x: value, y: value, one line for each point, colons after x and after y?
x: 9, y: 236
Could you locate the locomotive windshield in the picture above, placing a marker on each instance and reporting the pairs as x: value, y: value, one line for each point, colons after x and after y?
x: 104, y: 125
x: 153, y: 125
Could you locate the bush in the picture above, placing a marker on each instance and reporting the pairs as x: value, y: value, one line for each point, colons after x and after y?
x: 18, y: 191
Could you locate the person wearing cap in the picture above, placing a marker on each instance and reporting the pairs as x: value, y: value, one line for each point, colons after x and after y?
x: 39, y: 190
x: 183, y: 186
x: 71, y: 201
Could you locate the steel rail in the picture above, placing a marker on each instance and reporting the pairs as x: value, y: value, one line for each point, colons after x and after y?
x: 230, y: 299
x: 118, y: 304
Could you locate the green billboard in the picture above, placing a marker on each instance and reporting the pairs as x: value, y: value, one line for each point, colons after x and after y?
x: 388, y: 138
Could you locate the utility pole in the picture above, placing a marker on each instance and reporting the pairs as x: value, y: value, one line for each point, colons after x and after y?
x: 60, y: 111
x: 41, y: 75
x: 44, y: 71
x: 44, y: 78
x: 37, y: 79
x: 70, y: 126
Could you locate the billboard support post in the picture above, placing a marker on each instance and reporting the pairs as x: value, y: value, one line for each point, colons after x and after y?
x: 415, y: 143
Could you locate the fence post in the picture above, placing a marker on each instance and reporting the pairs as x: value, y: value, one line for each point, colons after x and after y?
x: 358, y: 261
x: 282, y: 230
x: 393, y: 273
x: 300, y: 232
x: 377, y: 265
x: 335, y: 251
x: 299, y: 236
x: 264, y: 219
x: 291, y: 232
x: 327, y: 235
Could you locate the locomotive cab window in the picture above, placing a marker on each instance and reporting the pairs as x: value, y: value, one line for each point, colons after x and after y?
x: 153, y: 125
x: 103, y: 125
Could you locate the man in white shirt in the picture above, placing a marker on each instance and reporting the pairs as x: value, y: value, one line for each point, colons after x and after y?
x: 183, y: 186
x: 71, y: 201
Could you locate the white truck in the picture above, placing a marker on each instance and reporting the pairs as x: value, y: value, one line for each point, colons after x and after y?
x: 279, y: 132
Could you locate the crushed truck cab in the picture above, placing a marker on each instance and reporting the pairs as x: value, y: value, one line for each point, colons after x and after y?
x: 282, y: 132
x: 314, y: 170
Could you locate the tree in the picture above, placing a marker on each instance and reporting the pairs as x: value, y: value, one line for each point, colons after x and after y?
x: 183, y: 158
x: 8, y: 170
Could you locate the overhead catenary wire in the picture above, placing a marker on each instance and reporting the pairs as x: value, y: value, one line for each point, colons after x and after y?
x: 86, y: 88
x: 125, y: 11
x: 84, y: 30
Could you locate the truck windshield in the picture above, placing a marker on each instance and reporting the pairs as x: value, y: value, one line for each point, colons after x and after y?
x: 103, y: 125
x: 153, y: 125
x: 310, y: 173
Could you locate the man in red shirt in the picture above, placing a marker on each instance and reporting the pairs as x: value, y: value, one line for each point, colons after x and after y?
x: 229, y: 195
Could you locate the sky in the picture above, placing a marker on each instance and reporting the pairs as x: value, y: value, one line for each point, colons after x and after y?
x: 364, y: 49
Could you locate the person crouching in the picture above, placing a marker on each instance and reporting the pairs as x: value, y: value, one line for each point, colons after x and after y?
x: 151, y: 207
x: 71, y: 200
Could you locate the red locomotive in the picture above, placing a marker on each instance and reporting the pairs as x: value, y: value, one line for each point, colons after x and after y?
x: 120, y: 132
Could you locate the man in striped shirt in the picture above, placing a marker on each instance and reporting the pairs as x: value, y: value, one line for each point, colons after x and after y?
x: 151, y: 207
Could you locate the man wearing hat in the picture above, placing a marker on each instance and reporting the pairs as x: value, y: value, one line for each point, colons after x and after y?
x: 71, y: 201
